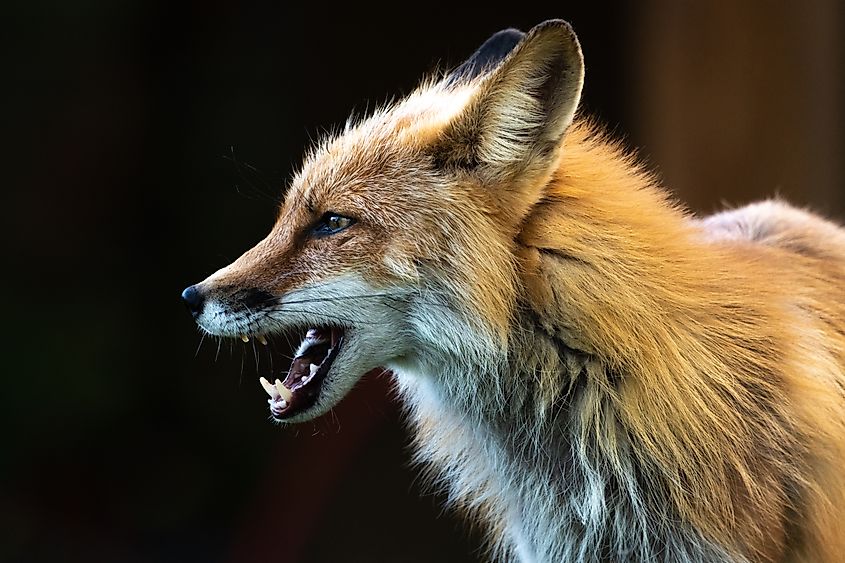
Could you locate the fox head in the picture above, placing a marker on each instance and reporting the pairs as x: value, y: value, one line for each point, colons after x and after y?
x: 396, y: 245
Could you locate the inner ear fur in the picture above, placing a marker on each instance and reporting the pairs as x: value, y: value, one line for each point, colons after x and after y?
x: 521, y: 108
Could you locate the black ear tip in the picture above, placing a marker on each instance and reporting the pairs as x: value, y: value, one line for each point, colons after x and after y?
x: 510, y: 35
x: 486, y: 57
x: 500, y: 43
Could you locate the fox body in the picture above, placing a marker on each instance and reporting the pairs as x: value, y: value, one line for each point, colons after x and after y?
x: 591, y: 371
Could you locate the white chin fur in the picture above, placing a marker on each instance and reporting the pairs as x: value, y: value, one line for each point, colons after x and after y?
x: 216, y: 320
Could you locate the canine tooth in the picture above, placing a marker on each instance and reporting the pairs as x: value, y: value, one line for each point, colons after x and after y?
x: 283, y: 391
x: 271, y: 390
x: 262, y: 340
x: 313, y: 368
x: 312, y: 333
x: 245, y: 338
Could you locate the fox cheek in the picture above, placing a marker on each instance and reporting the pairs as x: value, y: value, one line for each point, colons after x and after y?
x: 400, y: 266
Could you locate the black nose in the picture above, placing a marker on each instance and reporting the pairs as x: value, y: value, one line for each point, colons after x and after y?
x: 193, y: 300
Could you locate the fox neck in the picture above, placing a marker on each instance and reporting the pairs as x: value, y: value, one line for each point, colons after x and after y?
x: 534, y: 461
x: 575, y: 436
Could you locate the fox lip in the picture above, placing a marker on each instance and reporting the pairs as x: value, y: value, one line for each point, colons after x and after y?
x: 304, y: 380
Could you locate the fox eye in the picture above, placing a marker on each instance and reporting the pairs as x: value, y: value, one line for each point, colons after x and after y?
x: 331, y: 223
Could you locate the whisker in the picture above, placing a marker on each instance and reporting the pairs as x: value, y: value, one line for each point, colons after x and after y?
x: 390, y: 296
x: 257, y: 311
x: 336, y: 421
x: 255, y: 355
x: 421, y: 298
x: 274, y: 351
x: 276, y: 316
x: 335, y: 298
x: 290, y: 346
x: 239, y: 167
x: 202, y: 339
x: 241, y: 378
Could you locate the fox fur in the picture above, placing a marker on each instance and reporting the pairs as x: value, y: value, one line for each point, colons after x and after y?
x: 592, y: 372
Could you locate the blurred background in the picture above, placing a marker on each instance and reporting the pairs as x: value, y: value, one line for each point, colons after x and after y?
x: 147, y: 142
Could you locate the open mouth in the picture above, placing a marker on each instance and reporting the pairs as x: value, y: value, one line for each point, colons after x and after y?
x: 302, y: 385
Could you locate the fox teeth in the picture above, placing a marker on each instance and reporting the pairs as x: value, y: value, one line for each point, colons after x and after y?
x: 245, y: 338
x: 262, y: 340
x: 285, y: 393
x: 310, y: 376
x: 271, y: 390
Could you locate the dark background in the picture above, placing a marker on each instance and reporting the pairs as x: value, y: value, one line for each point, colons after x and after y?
x: 147, y: 143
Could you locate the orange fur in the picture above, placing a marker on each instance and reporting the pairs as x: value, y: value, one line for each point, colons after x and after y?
x: 710, y: 352
x: 736, y: 344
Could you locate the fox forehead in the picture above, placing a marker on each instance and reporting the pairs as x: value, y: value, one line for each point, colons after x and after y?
x: 374, y: 159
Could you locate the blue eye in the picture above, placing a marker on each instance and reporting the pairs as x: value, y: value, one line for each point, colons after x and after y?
x: 331, y: 223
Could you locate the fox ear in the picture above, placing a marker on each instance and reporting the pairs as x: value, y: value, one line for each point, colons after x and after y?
x: 520, y: 110
x: 486, y: 57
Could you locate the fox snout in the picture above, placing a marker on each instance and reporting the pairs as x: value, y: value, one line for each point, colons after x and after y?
x: 195, y: 297
x: 346, y: 325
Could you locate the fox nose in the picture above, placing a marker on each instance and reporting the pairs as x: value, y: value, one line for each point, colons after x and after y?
x: 194, y: 300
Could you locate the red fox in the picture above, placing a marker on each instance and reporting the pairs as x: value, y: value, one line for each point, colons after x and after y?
x: 594, y: 373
